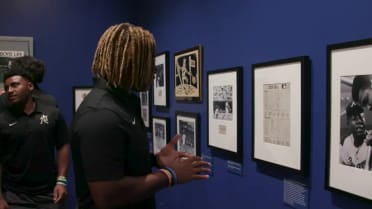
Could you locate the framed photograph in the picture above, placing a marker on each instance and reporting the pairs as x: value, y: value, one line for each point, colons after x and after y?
x: 188, y: 75
x: 350, y: 118
x: 79, y: 93
x: 161, y: 80
x: 224, y: 110
x: 145, y: 108
x: 187, y: 126
x: 12, y: 47
x: 160, y: 133
x: 280, y: 112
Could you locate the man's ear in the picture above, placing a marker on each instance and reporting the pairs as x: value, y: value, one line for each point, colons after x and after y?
x: 30, y: 85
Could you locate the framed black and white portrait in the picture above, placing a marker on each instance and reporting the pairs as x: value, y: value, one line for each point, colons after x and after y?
x: 349, y: 151
x: 79, y: 94
x: 224, y: 111
x: 187, y: 126
x: 188, y: 75
x: 160, y: 133
x: 161, y: 80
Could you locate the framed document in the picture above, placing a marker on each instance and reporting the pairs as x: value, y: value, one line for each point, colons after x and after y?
x: 187, y: 125
x: 161, y: 80
x: 280, y: 112
x: 160, y: 133
x: 224, y: 110
x: 350, y: 118
x: 188, y: 75
x: 79, y: 93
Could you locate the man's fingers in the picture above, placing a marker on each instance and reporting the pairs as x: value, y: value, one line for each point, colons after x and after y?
x: 174, y: 140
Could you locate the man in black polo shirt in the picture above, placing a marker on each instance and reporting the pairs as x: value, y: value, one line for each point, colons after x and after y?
x: 30, y: 133
x: 109, y: 144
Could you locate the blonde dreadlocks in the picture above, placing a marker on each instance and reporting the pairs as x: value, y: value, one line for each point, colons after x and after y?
x: 124, y: 57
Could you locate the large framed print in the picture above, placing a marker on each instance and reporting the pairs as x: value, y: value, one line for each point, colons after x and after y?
x: 12, y: 47
x: 160, y: 133
x: 188, y: 75
x: 224, y: 111
x: 145, y: 108
x: 349, y: 118
x: 161, y: 80
x: 280, y: 112
x: 187, y: 126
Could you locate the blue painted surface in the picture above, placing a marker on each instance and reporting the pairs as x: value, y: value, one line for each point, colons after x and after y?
x: 233, y: 33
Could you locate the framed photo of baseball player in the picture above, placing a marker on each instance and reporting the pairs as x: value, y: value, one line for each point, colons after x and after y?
x: 187, y: 126
x: 160, y: 133
x: 145, y: 108
x: 188, y: 75
x: 79, y: 93
x: 161, y: 80
x: 349, y: 151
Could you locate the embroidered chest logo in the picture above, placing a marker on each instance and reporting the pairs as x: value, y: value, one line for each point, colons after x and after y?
x: 44, y: 119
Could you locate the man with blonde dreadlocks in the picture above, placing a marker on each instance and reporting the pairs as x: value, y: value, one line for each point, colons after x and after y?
x: 110, y: 150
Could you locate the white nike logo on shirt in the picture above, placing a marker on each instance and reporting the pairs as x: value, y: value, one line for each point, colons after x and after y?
x: 12, y: 124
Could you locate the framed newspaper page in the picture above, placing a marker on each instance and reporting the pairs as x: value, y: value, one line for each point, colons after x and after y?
x: 160, y: 133
x: 187, y: 126
x: 280, y: 112
x: 188, y: 75
x: 225, y: 112
x: 12, y: 47
x: 350, y: 118
x: 161, y: 80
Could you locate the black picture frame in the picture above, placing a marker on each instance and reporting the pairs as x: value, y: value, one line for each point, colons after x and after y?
x: 160, y: 133
x: 78, y: 95
x: 188, y: 127
x: 281, y: 112
x: 224, y: 111
x: 349, y: 64
x: 188, y: 75
x: 161, y: 81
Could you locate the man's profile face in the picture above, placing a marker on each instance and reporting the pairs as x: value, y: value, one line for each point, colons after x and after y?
x: 17, y: 89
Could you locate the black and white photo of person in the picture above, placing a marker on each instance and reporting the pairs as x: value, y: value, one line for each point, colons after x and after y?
x: 356, y: 122
x: 159, y: 82
x: 187, y: 133
x: 144, y: 99
x: 222, y: 102
x: 160, y: 140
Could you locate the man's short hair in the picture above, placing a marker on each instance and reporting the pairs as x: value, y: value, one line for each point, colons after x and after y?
x: 21, y: 72
x: 360, y: 82
x: 353, y: 109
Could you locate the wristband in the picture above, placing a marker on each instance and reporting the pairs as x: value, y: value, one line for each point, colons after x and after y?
x: 62, y: 180
x: 173, y: 174
x: 168, y: 175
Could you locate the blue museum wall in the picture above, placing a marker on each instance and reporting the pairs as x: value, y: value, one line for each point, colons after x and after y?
x: 232, y: 33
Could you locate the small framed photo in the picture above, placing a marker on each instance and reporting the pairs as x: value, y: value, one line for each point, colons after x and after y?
x: 161, y: 80
x: 349, y: 151
x: 160, y: 133
x: 145, y: 108
x: 280, y: 112
x: 188, y: 75
x: 187, y: 126
x: 224, y: 111
x: 79, y: 93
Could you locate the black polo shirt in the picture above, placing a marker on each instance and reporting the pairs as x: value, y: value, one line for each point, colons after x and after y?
x: 109, y: 141
x: 27, y: 147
